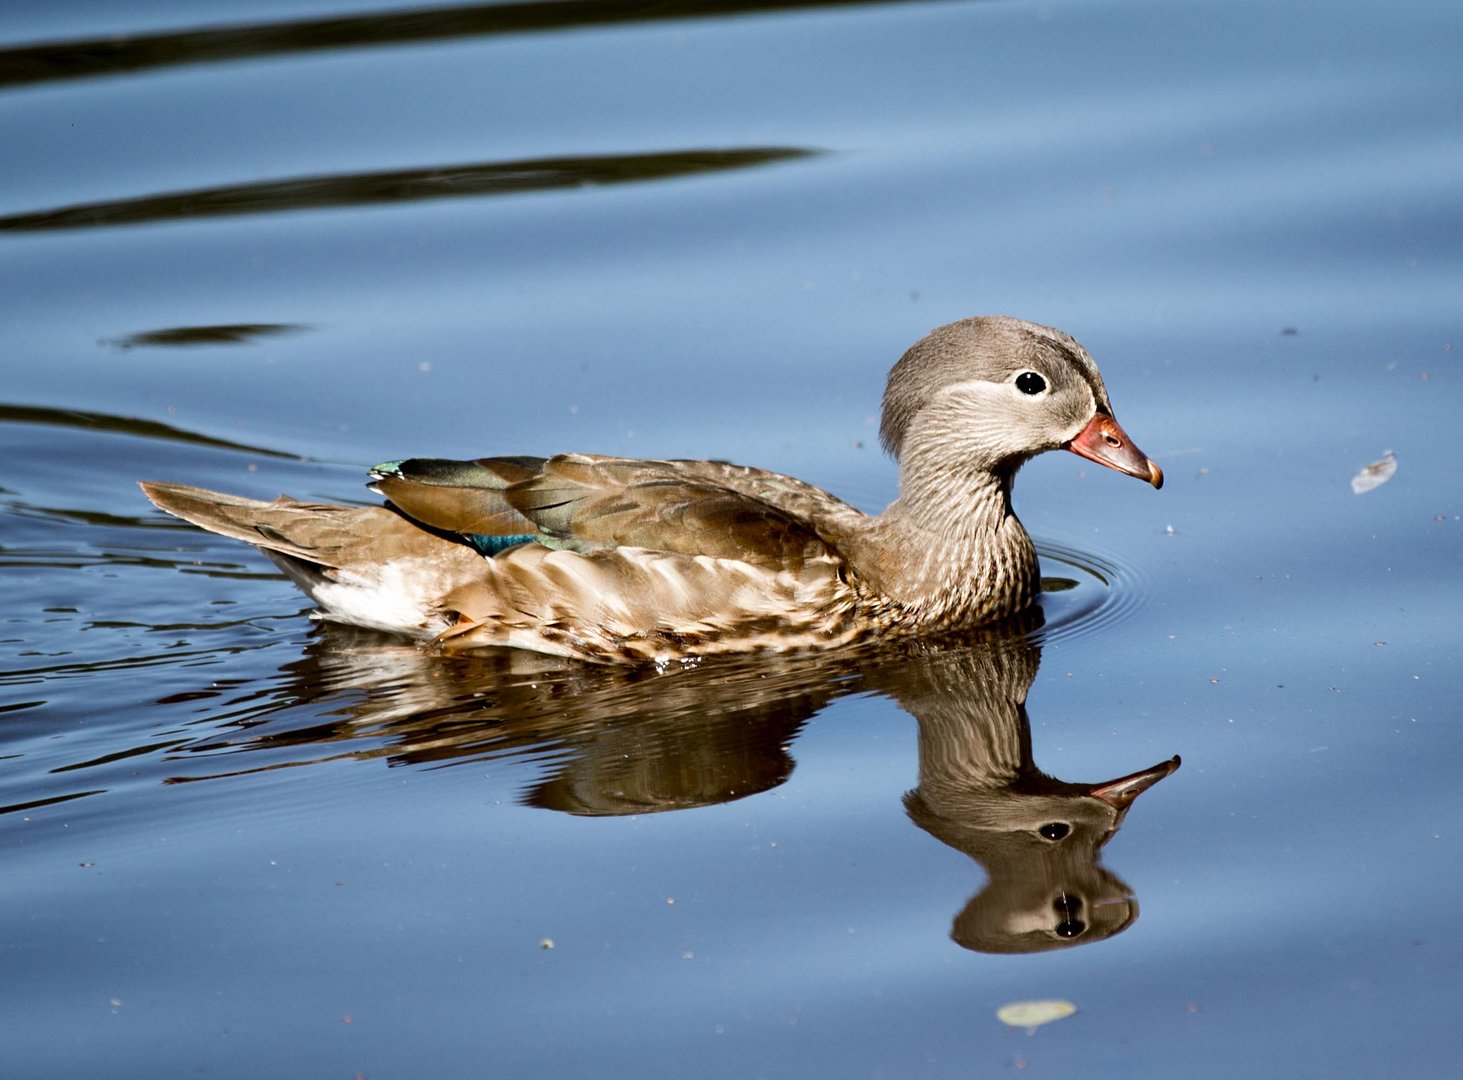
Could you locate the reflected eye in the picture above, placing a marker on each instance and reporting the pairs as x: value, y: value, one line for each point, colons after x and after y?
x: 1029, y: 382
x: 1054, y: 830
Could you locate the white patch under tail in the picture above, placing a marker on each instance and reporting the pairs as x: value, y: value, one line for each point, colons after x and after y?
x: 395, y: 596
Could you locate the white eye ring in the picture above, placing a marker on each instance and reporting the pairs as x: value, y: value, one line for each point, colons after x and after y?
x: 1030, y: 383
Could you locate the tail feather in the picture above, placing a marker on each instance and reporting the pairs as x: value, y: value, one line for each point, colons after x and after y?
x: 271, y: 526
x: 367, y: 565
x: 336, y: 537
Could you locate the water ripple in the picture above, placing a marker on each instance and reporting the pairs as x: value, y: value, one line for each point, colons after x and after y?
x: 1084, y: 592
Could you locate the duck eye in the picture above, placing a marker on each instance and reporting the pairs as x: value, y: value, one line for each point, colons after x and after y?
x: 1029, y: 382
x: 1054, y: 830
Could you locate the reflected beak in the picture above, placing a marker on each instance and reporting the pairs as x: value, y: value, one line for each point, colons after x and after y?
x: 1122, y: 791
x: 1104, y: 442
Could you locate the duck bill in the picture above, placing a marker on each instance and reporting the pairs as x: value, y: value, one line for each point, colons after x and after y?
x: 1104, y: 442
x: 1121, y: 792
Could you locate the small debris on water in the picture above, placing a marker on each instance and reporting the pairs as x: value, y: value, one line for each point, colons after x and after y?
x: 1032, y: 1014
x: 1374, y: 475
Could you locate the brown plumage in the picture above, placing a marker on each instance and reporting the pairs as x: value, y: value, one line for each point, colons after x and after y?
x: 615, y: 559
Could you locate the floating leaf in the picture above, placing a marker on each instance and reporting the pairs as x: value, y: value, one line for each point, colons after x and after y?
x: 1032, y: 1014
x: 1375, y: 475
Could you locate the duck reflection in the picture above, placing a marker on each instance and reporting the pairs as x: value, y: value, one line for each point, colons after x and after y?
x: 617, y: 742
x: 1038, y: 838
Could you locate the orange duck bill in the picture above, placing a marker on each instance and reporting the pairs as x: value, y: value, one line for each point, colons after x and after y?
x: 1104, y: 442
x: 1121, y: 792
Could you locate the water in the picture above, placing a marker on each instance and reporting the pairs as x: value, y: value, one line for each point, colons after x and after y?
x: 261, y: 259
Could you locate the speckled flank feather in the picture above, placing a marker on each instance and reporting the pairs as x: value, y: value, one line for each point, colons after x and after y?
x: 620, y: 560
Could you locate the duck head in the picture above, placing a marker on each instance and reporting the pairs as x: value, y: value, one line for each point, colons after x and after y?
x: 989, y: 392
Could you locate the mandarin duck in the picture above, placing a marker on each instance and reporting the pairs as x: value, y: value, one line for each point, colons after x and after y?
x: 621, y: 560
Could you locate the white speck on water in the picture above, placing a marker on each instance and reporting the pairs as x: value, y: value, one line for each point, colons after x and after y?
x: 1374, y: 475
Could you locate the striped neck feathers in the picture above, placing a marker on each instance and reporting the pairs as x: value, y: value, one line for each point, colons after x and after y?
x: 950, y: 551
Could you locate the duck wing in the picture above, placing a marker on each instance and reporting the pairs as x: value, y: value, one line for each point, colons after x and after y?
x: 588, y: 503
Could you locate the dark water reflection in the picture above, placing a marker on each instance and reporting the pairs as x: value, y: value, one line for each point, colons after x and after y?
x: 400, y: 186
x: 44, y: 62
x: 185, y: 336
x: 635, y: 742
x: 119, y: 425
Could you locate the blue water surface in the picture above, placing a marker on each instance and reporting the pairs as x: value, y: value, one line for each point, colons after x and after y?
x: 260, y: 247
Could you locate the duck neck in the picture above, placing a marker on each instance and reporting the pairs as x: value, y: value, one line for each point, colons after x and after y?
x: 950, y: 551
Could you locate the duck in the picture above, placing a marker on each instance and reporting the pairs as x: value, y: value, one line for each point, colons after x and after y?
x: 620, y: 560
